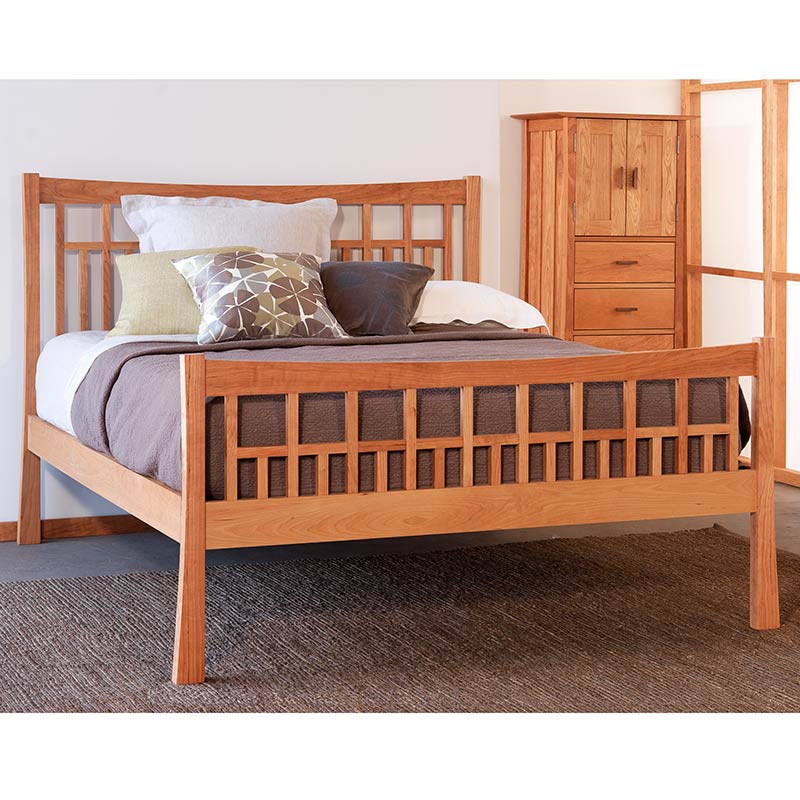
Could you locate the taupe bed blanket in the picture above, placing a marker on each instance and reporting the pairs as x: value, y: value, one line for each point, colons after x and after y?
x: 128, y: 406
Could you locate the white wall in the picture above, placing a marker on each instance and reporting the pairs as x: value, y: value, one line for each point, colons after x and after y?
x: 268, y: 132
x: 223, y: 132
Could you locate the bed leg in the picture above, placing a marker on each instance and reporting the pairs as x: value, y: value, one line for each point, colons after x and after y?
x: 189, y: 660
x: 764, y: 608
x: 29, y: 522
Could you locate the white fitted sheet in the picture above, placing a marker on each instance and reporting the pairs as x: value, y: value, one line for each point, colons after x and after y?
x: 63, y: 365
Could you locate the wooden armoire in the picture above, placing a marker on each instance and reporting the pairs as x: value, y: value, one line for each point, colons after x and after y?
x: 603, y: 227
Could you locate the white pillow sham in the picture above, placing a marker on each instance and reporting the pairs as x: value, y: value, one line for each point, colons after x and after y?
x: 181, y: 223
x: 446, y: 301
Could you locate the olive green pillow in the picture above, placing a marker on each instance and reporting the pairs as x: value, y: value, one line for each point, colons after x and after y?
x: 156, y: 299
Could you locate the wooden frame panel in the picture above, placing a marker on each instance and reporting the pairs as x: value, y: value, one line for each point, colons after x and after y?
x: 775, y: 151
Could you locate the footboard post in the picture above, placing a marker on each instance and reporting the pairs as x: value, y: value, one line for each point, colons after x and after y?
x: 764, y: 610
x: 188, y: 664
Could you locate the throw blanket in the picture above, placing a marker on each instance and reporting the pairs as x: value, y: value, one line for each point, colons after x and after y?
x: 128, y: 407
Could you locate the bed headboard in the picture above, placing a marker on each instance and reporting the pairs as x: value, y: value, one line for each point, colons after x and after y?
x: 103, y: 196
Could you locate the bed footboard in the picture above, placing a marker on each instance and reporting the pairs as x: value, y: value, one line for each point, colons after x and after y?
x: 379, y: 510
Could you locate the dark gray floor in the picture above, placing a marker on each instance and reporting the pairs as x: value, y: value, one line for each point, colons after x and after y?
x: 142, y: 552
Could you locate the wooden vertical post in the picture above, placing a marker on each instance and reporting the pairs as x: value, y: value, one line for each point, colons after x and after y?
x: 472, y: 230
x: 775, y: 147
x: 690, y: 104
x: 29, y: 525
x: 188, y: 665
x: 764, y: 609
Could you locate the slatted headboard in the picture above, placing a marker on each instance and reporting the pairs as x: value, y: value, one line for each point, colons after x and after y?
x: 61, y: 193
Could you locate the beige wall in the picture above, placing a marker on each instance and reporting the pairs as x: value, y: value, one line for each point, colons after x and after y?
x: 267, y: 132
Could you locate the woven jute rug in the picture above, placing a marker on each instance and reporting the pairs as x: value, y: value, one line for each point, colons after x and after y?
x: 649, y: 622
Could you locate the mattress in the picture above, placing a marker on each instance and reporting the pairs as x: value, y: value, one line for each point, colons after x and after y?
x: 63, y: 365
x: 127, y: 405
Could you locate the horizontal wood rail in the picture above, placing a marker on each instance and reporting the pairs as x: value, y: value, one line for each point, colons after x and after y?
x: 72, y: 191
x: 252, y: 378
x: 697, y: 88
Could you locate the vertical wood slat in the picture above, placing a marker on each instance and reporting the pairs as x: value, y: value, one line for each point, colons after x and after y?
x: 472, y: 229
x: 523, y: 433
x: 561, y: 246
x: 548, y: 228
x: 467, y: 425
x: 733, y: 423
x: 775, y: 148
x: 366, y: 231
x: 576, y: 414
x: 381, y: 471
x: 60, y: 299
x: 550, y: 461
x: 262, y: 478
x: 495, y: 465
x: 410, y: 423
x: 447, y: 229
x: 656, y: 451
x: 629, y: 409
x: 351, y: 437
x: 683, y: 426
x: 603, y: 459
x: 764, y: 604
x: 427, y: 256
x: 107, y: 276
x: 83, y: 289
x: 323, y: 482
x: 708, y: 452
x: 408, y: 254
x: 438, y: 468
x: 531, y: 291
x: 231, y: 447
x: 347, y: 254
x: 690, y: 104
x: 388, y: 254
x: 292, y: 442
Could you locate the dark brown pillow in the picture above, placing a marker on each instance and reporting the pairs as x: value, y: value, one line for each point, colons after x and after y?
x: 374, y: 298
x: 457, y: 326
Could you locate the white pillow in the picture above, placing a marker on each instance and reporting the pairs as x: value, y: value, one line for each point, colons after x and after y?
x: 447, y: 301
x: 181, y: 223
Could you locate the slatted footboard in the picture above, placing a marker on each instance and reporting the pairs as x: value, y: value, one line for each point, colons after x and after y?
x: 709, y: 485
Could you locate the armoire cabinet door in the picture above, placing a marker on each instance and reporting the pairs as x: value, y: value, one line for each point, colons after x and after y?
x: 600, y: 177
x: 652, y: 167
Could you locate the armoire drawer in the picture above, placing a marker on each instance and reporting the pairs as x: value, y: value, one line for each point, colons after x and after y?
x: 624, y: 262
x: 629, y: 342
x: 624, y: 309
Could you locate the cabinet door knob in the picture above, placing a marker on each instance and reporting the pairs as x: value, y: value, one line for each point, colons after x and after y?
x: 635, y: 178
x: 624, y: 263
x: 621, y: 178
x: 626, y: 308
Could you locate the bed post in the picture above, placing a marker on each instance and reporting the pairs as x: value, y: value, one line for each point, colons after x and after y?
x: 764, y: 609
x: 188, y: 665
x: 471, y: 270
x: 29, y: 521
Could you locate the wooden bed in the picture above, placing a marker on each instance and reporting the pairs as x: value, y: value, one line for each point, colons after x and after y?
x: 198, y: 524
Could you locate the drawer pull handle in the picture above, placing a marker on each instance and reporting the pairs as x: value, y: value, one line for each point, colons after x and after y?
x: 626, y: 308
x: 624, y: 263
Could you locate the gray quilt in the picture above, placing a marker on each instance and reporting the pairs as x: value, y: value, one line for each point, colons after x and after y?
x: 128, y: 407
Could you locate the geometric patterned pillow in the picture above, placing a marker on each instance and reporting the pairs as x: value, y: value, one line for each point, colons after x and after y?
x: 246, y: 295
